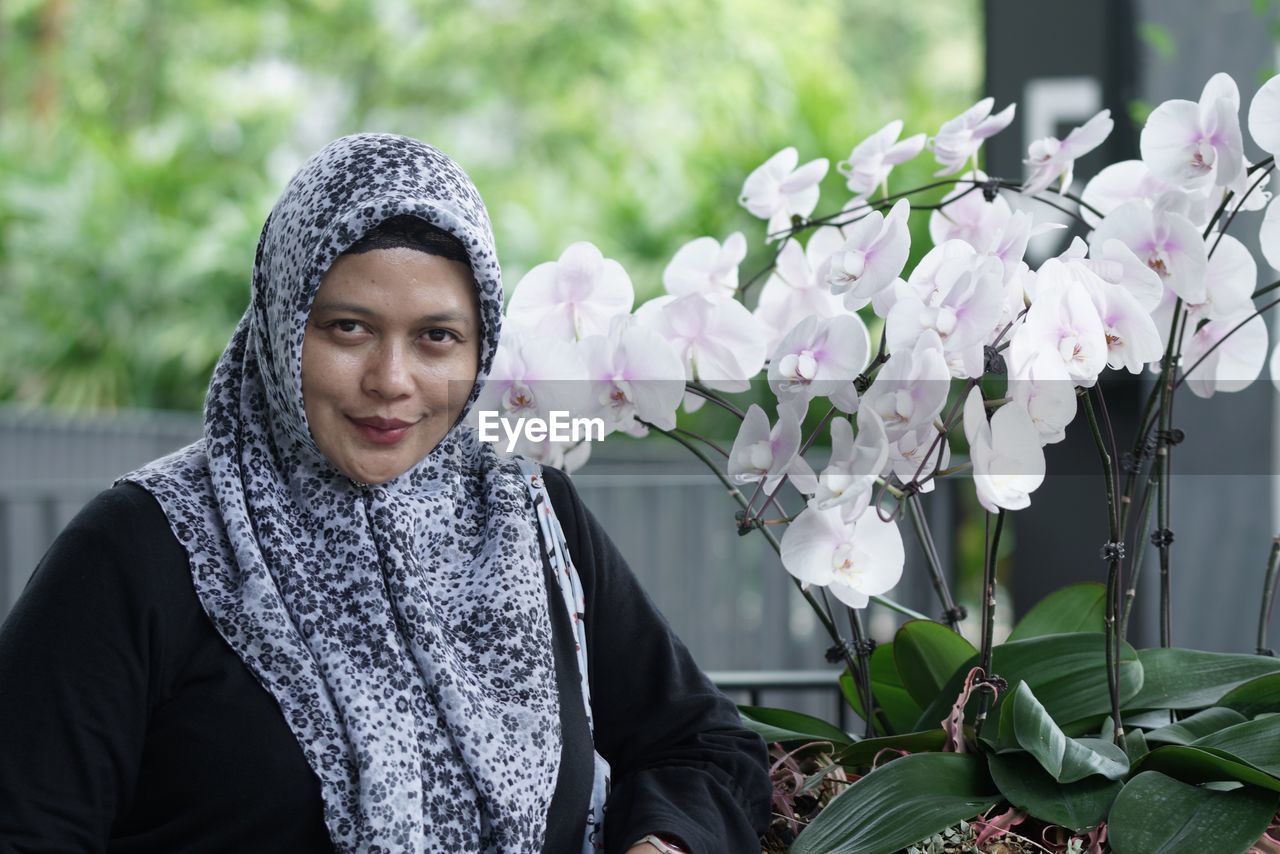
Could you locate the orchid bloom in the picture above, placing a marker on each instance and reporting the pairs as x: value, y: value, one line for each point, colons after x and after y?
x: 908, y: 460
x: 798, y: 288
x: 575, y: 296
x: 635, y: 374
x: 1269, y: 234
x: 1264, y: 116
x: 1044, y: 389
x: 968, y: 216
x: 533, y: 375
x: 1116, y: 185
x: 1008, y: 461
x: 704, y: 266
x: 1191, y: 144
x: 1051, y: 159
x: 911, y: 387
x: 1167, y: 241
x: 763, y: 454
x: 717, y: 340
x: 872, y: 160
x: 1132, y: 337
x: 818, y: 357
x: 779, y: 188
x: 854, y: 560
x: 851, y: 473
x: 959, y: 139
x: 873, y: 255
x: 1231, y: 365
x: 1062, y: 320
x: 1230, y: 279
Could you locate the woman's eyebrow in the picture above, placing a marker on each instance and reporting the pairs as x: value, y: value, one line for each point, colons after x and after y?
x: 447, y: 316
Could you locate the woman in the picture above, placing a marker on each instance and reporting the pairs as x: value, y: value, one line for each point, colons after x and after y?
x: 333, y: 623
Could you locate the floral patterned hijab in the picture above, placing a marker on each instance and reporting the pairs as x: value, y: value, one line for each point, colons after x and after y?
x: 402, y: 627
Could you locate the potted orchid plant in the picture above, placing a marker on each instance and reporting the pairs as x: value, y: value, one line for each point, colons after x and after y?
x: 1064, y: 737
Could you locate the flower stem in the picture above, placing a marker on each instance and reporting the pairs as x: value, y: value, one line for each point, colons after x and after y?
x: 1113, y: 573
x: 702, y: 391
x: 1268, y: 596
x: 921, y: 526
x: 988, y: 616
x: 864, y: 674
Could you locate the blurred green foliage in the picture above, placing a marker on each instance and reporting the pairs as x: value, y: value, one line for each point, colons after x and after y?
x: 142, y: 143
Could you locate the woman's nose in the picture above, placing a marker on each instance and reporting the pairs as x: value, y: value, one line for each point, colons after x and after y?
x: 388, y: 373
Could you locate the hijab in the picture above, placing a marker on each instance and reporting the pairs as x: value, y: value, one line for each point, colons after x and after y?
x: 401, y: 627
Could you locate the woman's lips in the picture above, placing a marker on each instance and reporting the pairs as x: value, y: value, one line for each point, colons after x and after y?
x: 381, y: 431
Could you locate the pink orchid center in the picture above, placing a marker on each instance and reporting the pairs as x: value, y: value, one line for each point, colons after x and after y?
x: 848, y: 563
x: 518, y: 396
x: 1070, y: 348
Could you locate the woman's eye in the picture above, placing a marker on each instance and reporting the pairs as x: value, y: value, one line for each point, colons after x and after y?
x: 347, y: 326
x: 440, y: 336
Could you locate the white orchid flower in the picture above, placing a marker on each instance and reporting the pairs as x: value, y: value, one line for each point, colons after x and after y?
x: 959, y: 139
x: 917, y: 453
x: 1191, y: 144
x: 854, y: 560
x: 1051, y: 159
x: 1115, y: 263
x: 1043, y: 388
x: 718, y: 341
x: 1008, y: 461
x: 1230, y: 279
x: 1269, y: 235
x: 872, y: 160
x: 634, y: 373
x: 958, y: 294
x: 1165, y: 240
x: 798, y: 288
x: 873, y: 255
x: 705, y: 266
x: 1264, y: 116
x: 574, y: 296
x: 1062, y: 320
x: 1119, y: 184
x: 1132, y: 337
x: 850, y: 475
x: 779, y: 188
x: 911, y: 387
x: 533, y: 375
x: 1234, y: 364
x: 970, y: 217
x: 763, y: 454
x: 817, y: 358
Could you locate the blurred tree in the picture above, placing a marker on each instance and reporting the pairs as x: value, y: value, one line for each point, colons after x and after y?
x: 142, y: 142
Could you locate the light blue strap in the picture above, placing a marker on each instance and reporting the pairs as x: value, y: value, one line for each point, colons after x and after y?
x: 570, y: 586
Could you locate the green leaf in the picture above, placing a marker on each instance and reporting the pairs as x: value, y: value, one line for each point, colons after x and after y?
x: 927, y: 655
x: 893, y: 699
x: 1196, y: 765
x: 1025, y: 724
x: 1192, y: 679
x: 1067, y: 673
x: 900, y: 803
x: 1135, y: 746
x: 861, y: 754
x: 786, y: 726
x: 1198, y: 725
x: 1255, y: 742
x: 1157, y: 813
x: 1079, y: 806
x: 1254, y: 697
x: 1077, y: 608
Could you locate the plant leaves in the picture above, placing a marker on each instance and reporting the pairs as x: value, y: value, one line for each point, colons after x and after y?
x: 785, y: 726
x: 1154, y: 812
x: 1135, y: 746
x: 892, y: 697
x: 1193, y: 679
x: 927, y: 655
x: 1079, y: 806
x: 900, y: 803
x: 1067, y: 673
x: 1255, y: 742
x: 1195, y: 765
x: 861, y: 754
x: 1025, y: 724
x: 1254, y: 697
x: 1200, y: 724
x: 1076, y: 608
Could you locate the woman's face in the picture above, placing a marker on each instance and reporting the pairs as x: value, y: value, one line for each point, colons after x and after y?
x: 389, y: 358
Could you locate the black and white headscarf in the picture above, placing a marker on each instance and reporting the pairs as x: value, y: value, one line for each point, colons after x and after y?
x: 403, y: 627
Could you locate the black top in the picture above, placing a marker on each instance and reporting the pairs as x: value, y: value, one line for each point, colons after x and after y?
x: 128, y: 725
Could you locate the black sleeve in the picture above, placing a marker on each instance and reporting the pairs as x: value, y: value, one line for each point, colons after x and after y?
x: 75, y: 659
x: 683, y: 765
